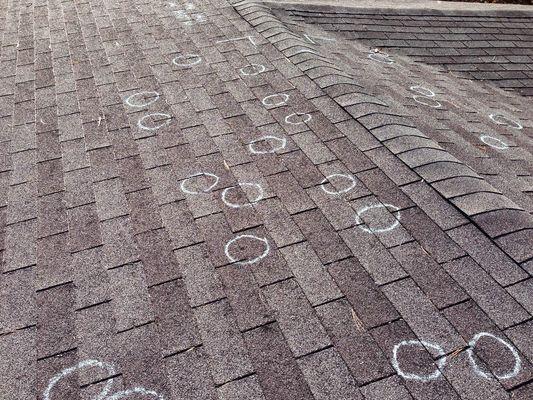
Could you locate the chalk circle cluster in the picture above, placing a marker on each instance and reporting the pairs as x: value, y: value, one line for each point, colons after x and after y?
x: 425, y: 96
x: 351, y: 183
x: 495, y: 142
x: 442, y: 359
x: 232, y: 242
x: 184, y: 15
x: 104, y: 394
x: 365, y: 209
x: 281, y: 99
x: 142, y: 100
x: 188, y: 186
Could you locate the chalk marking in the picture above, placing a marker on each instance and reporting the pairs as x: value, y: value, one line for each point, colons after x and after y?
x: 364, y: 209
x: 248, y: 37
x: 284, y: 99
x: 511, y: 374
x: 135, y: 390
x: 131, y: 103
x: 496, y: 143
x: 420, y: 100
x: 422, y: 90
x: 185, y: 16
x: 381, y: 57
x: 235, y: 205
x: 182, y: 14
x: 198, y: 18
x: 167, y: 120
x: 82, y: 364
x: 306, y: 50
x: 256, y: 69
x: 441, y: 362
x: 307, y: 118
x: 345, y: 190
x: 310, y: 38
x: 188, y: 56
x: 497, y: 118
x: 184, y: 189
x: 282, y: 141
x: 247, y: 262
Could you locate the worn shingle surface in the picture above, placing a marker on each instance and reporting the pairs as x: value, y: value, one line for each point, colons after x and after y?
x: 239, y: 200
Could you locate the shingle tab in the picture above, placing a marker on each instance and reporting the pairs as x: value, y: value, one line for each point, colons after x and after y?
x: 353, y: 343
x: 373, y: 256
x: 296, y: 318
x: 490, y: 296
x: 310, y: 274
x: 418, y: 311
x: 488, y: 256
x: 276, y: 369
x: 228, y: 359
x: 328, y: 376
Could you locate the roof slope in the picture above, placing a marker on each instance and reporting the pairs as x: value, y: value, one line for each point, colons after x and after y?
x: 495, y: 46
x: 225, y: 201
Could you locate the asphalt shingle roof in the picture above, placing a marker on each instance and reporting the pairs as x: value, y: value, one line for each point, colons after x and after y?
x: 246, y: 200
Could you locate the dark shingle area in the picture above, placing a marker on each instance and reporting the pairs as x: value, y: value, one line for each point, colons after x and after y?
x: 497, y: 48
x: 238, y: 200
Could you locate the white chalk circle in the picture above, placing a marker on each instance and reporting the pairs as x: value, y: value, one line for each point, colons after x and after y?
x: 298, y: 118
x: 427, y: 101
x: 494, y: 142
x: 258, y: 197
x: 365, y: 228
x: 166, y: 120
x: 511, y: 374
x: 152, y: 96
x: 253, y: 260
x: 422, y: 90
x: 252, y: 69
x: 184, y: 183
x: 282, y: 143
x: 181, y: 14
x: 137, y: 390
x: 441, y: 362
x: 81, y: 365
x: 187, y: 60
x: 198, y: 18
x: 503, y: 120
x: 328, y: 179
x: 275, y: 100
x: 381, y: 57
